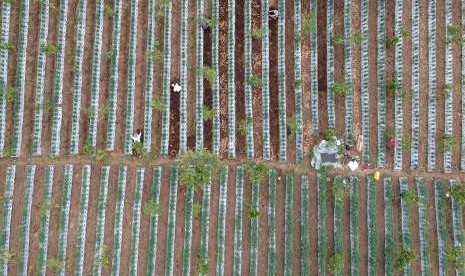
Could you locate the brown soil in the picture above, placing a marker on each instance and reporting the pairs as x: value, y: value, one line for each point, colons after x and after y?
x: 313, y: 224
x: 339, y: 67
x: 179, y: 232
x: 263, y: 229
x: 207, y: 90
x: 35, y: 221
x: 380, y: 226
x: 306, y: 91
x: 356, y: 69
x: 223, y: 76
x: 163, y: 223
x: 373, y: 81
x: 274, y: 105
x: 16, y: 217
x: 363, y: 226
x: 457, y: 88
x: 322, y: 82
x: 257, y: 70
x: 290, y: 94
x: 110, y: 215
x: 230, y: 220
x: 239, y: 71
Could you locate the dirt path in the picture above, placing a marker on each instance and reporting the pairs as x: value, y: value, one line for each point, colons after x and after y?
x: 373, y: 80
x: 290, y: 93
x: 257, y: 70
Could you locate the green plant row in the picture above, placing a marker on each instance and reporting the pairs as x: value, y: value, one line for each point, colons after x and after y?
x: 238, y: 222
x: 371, y: 226
x: 136, y: 214
x: 354, y: 225
x: 4, y: 38
x: 414, y: 153
x: 95, y: 80
x: 338, y: 193
x: 221, y: 234
x: 423, y: 226
x: 114, y: 75
x: 322, y: 230
x: 83, y: 209
x: 63, y: 223
x: 183, y: 44
x: 365, y: 97
x: 40, y: 79
x: 331, y: 109
x: 231, y: 80
x: 442, y: 228
x: 381, y: 77
x: 44, y: 208
x: 249, y: 137
x: 448, y: 79
x: 314, y: 67
x: 205, y: 225
x: 170, y: 234
x: 389, y: 244
x: 57, y: 97
x: 272, y: 222
x: 153, y: 222
x: 289, y: 224
x: 349, y: 101
x: 187, y: 246
x: 77, y: 69
x: 165, y: 96
x: 304, y: 225
x: 20, y: 85
x: 405, y: 221
x: 432, y: 87
x: 216, y: 83
x: 299, y: 146
x: 254, y: 223
x: 265, y: 40
x: 131, y: 83
x: 199, y: 64
x: 6, y: 217
x: 457, y: 230
x: 119, y: 214
x: 282, y: 81
x: 100, y: 225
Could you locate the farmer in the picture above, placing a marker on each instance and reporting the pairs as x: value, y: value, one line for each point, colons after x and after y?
x: 273, y: 14
x: 176, y: 87
x: 137, y: 136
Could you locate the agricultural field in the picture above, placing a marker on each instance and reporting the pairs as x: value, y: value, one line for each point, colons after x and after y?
x: 78, y: 78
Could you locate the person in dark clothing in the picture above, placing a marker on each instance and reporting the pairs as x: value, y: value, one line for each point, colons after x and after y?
x: 273, y: 14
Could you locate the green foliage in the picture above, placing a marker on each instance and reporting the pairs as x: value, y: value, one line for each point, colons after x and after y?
x: 455, y: 255
x: 256, y: 33
x: 447, y: 90
x: 393, y: 41
x: 6, y: 45
x: 339, y: 189
x: 447, y: 143
x: 6, y: 152
x: 158, y: 105
x: 209, y: 74
x: 196, y: 168
x: 330, y: 135
x: 103, y: 111
x: 253, y: 212
x: 404, y: 94
x: 410, y: 197
x: 297, y: 84
x: 49, y: 49
x: 208, y: 113
x: 109, y: 11
x: 164, y: 2
x: 256, y: 172
x: 45, y: 207
x: 55, y: 264
x: 254, y: 81
x: 138, y: 148
x: 291, y: 128
x: 244, y: 126
x: 405, y: 32
x: 336, y: 264
x: 393, y: 86
x: 340, y: 88
x: 109, y: 55
x: 9, y: 94
x: 6, y: 256
x: 458, y: 194
x: 202, y: 266
x: 455, y: 35
x: 405, y: 257
x: 356, y: 37
x: 151, y: 208
x: 309, y: 23
x: 100, y: 155
x: 89, y: 150
x: 338, y: 39
x: 211, y: 22
x: 406, y: 143
x: 103, y: 259
x: 196, y: 209
x: 157, y: 52
x: 47, y: 106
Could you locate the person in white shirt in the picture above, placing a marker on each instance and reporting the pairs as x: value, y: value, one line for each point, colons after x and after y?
x: 137, y: 136
x: 273, y: 14
x: 176, y: 87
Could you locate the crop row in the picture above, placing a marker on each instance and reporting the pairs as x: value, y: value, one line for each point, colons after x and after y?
x: 40, y: 79
x: 45, y: 220
x: 381, y: 77
x: 272, y: 222
x: 299, y: 135
x: 338, y: 195
x: 149, y: 76
x: 119, y: 214
x: 432, y: 86
x: 423, y: 226
x: 216, y: 82
x: 199, y: 44
x: 26, y: 222
x: 188, y: 217
x: 349, y: 99
x: 4, y: 38
x: 304, y: 225
x: 314, y: 69
x: 405, y: 220
x: 371, y: 226
x: 205, y: 223
x: 7, y: 212
x: 414, y: 154
x: 254, y: 223
x: 231, y: 80
x: 289, y: 224
x: 249, y: 138
x: 448, y: 78
x: 265, y: 80
x: 170, y: 233
x: 100, y: 225
x: 238, y: 221
x: 330, y: 63
x: 365, y: 97
x: 462, y: 159
x: 354, y: 226
x: 457, y: 228
x: 136, y: 214
x: 398, y: 80
x: 221, y: 235
x: 441, y: 224
x: 389, y: 244
x: 282, y: 81
x: 321, y: 230
x: 153, y: 222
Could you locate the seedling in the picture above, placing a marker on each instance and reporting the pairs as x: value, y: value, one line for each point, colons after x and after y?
x: 340, y: 88
x: 49, y: 49
x: 109, y: 11
x: 254, y: 81
x: 338, y: 39
x: 208, y: 113
x: 158, y: 105
x: 257, y: 33
x: 209, y: 74
x: 291, y: 128
x: 309, y: 23
x: 6, y: 45
x: 151, y: 208
x: 253, y: 212
x: 357, y: 37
